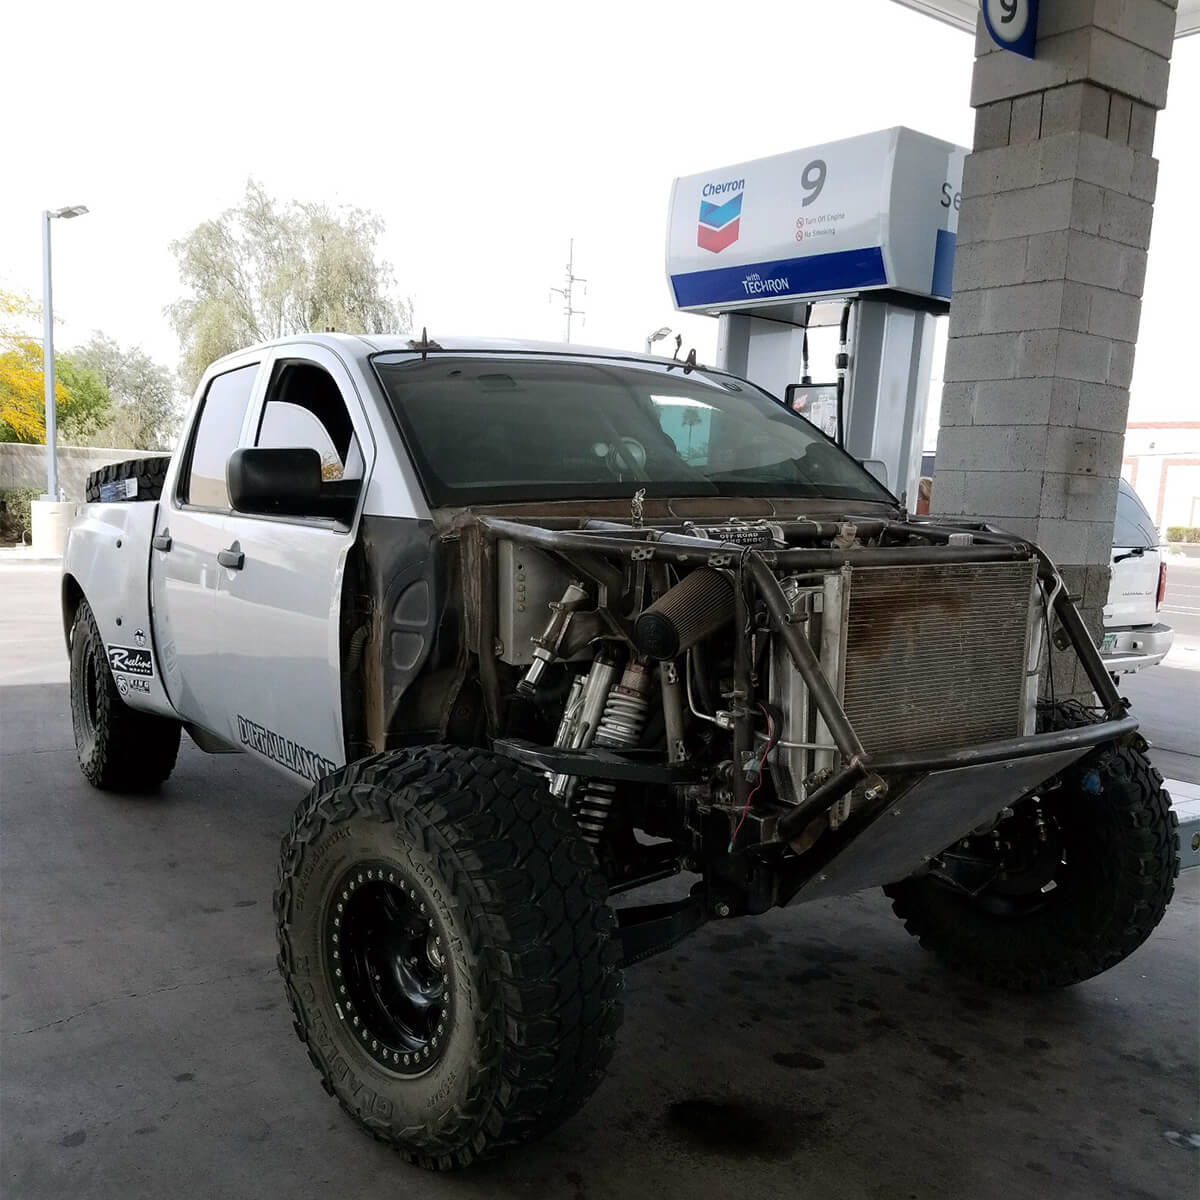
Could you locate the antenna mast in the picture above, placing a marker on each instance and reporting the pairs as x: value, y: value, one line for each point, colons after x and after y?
x: 565, y: 292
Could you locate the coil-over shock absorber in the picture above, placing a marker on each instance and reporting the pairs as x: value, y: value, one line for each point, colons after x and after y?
x: 620, y: 728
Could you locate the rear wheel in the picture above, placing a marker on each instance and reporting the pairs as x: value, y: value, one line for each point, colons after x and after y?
x: 119, y: 748
x: 1069, y: 885
x: 446, y: 944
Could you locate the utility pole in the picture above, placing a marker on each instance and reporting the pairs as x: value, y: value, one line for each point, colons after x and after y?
x: 566, y: 292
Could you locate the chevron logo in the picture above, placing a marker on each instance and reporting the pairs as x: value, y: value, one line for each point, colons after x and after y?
x: 719, y: 224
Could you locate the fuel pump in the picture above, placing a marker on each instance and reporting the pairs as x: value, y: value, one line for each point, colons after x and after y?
x: 852, y: 239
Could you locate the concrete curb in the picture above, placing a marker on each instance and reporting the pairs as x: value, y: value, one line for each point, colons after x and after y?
x: 23, y: 556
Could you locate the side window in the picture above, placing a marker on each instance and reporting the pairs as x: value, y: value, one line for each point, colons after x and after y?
x: 217, y: 431
x: 304, y: 407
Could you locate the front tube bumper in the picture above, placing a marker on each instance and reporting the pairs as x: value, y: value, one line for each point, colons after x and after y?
x: 897, y: 766
x: 936, y: 798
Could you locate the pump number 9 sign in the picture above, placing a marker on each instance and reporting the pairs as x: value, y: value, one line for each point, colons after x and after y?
x: 1012, y: 24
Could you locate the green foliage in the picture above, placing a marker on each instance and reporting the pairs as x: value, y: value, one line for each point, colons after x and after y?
x: 15, y: 514
x: 145, y: 413
x: 81, y: 398
x: 88, y: 405
x: 264, y: 270
x: 1184, y: 533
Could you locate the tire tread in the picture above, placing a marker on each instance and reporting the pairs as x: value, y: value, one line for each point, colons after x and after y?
x: 150, y: 474
x: 536, y: 911
x: 1138, y: 876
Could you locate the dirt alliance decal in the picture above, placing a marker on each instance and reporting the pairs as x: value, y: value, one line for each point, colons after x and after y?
x: 278, y: 749
x: 132, y: 660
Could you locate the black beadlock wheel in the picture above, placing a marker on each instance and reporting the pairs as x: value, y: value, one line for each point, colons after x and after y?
x: 447, y: 948
x: 1077, y: 878
x: 139, y: 479
x: 119, y: 748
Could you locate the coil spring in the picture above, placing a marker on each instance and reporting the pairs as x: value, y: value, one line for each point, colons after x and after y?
x: 620, y: 727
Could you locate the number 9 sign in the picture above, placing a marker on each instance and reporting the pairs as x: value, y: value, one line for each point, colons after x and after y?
x: 1012, y: 24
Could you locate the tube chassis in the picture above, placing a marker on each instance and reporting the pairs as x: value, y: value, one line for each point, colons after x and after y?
x: 939, y: 795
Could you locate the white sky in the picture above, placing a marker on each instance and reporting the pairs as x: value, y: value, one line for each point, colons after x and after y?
x: 485, y: 135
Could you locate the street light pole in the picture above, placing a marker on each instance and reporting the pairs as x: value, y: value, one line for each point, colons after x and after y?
x: 656, y: 336
x: 74, y: 210
x: 48, y: 364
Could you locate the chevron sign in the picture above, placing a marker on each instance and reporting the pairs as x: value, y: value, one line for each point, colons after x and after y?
x: 719, y: 221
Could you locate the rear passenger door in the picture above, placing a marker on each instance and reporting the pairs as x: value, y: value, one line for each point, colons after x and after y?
x: 184, y: 562
x: 279, y: 611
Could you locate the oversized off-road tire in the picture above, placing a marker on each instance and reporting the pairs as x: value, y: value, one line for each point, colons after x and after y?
x: 448, y: 951
x: 1088, y: 868
x: 133, y: 479
x: 119, y: 748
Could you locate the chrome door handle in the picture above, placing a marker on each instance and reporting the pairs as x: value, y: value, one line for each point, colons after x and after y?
x: 233, y: 558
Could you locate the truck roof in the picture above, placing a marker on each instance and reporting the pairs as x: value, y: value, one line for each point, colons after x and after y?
x: 360, y: 346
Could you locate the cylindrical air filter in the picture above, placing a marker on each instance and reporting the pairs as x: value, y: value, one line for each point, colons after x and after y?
x: 699, y: 604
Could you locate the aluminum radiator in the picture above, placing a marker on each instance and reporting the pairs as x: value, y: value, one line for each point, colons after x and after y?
x: 935, y: 656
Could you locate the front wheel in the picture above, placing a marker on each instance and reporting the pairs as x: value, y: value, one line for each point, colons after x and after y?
x: 1069, y: 885
x: 448, y: 951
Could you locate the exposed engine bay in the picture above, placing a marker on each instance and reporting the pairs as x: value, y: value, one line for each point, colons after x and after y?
x: 746, y: 698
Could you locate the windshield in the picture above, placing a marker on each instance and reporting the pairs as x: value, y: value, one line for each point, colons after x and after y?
x: 518, y: 427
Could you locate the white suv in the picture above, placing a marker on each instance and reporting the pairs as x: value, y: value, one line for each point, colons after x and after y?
x: 1133, y: 636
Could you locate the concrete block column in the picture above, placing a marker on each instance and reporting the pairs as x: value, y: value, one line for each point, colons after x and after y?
x: 1058, y: 198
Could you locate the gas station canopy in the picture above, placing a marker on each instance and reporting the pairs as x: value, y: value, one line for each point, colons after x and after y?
x: 962, y: 13
x: 869, y: 213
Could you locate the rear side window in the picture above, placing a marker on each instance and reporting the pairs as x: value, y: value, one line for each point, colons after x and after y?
x: 1134, y: 526
x: 216, y: 438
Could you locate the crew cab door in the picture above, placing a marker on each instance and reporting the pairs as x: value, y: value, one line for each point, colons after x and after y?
x: 189, y: 537
x: 278, y: 608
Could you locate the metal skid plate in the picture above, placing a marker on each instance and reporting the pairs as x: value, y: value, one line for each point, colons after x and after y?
x: 937, y: 810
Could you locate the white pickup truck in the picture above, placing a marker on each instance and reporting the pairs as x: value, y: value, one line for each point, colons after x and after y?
x: 538, y: 625
x: 1134, y: 637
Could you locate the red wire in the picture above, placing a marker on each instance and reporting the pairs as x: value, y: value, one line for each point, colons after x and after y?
x: 757, y: 782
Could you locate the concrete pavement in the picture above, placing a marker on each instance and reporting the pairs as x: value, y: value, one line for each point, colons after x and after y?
x: 146, y: 1049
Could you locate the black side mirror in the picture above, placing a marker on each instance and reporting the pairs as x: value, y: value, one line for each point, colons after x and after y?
x: 285, y: 482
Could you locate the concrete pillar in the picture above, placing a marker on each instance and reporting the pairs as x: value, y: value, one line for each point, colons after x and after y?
x: 1051, y: 258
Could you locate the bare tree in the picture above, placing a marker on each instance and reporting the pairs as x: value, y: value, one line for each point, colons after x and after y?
x: 264, y: 270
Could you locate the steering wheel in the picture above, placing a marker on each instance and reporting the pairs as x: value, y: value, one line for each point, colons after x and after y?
x: 625, y: 456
